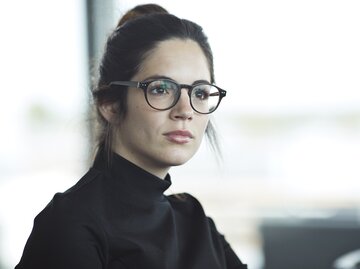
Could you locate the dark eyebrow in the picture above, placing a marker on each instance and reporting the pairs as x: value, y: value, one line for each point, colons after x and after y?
x: 201, y: 81
x: 165, y: 77
x: 158, y: 77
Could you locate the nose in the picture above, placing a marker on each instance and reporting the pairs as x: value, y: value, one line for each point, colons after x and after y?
x: 182, y: 110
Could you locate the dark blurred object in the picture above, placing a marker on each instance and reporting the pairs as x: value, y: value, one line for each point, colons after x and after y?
x: 311, y: 242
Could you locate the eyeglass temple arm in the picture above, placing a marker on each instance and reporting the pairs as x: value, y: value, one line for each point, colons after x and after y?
x: 222, y: 93
x: 125, y: 83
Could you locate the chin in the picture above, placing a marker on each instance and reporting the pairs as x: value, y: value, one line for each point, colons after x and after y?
x: 179, y: 158
x: 177, y: 163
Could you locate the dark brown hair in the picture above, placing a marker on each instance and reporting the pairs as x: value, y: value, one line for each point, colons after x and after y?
x: 141, y: 10
x: 137, y: 34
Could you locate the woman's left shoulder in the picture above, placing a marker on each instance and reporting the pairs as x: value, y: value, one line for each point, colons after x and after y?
x: 183, y: 197
x: 185, y: 200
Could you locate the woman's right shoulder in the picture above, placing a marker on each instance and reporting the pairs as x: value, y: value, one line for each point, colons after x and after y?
x: 75, y: 202
x: 91, y: 177
x: 69, y: 230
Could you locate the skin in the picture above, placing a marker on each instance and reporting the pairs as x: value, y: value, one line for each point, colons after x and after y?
x: 143, y: 136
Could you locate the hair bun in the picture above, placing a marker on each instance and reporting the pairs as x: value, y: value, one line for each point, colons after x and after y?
x: 139, y: 11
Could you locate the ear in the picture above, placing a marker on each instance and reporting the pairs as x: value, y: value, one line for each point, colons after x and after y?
x: 108, y: 111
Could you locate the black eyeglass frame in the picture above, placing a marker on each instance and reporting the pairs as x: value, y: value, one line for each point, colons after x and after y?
x: 144, y: 85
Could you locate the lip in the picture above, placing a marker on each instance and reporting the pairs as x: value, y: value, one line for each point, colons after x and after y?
x: 179, y: 136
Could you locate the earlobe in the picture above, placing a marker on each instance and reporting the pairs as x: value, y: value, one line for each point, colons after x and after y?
x: 108, y: 112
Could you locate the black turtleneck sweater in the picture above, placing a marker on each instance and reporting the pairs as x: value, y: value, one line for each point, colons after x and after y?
x: 117, y: 217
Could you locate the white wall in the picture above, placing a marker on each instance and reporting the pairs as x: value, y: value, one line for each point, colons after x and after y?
x: 43, y: 138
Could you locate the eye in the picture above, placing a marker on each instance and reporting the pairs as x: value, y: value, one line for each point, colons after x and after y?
x: 158, y: 91
x: 160, y: 88
x: 201, y: 92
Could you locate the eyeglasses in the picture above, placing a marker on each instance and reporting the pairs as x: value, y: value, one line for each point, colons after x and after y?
x: 163, y: 94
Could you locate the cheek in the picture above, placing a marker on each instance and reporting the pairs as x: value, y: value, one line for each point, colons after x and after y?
x: 139, y: 112
x: 148, y: 122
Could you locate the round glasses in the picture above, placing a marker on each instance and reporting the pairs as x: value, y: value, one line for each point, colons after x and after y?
x: 163, y: 94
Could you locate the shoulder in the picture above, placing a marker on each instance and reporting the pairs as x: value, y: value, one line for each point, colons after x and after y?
x: 191, y: 203
x: 186, y: 202
x: 76, y: 202
x: 70, y: 216
x: 184, y: 198
x: 86, y: 181
x: 67, y: 231
x: 85, y: 189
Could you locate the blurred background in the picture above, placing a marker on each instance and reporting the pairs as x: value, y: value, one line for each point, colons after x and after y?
x: 286, y: 192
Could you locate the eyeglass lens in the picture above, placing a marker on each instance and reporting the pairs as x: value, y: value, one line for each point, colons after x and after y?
x: 163, y: 94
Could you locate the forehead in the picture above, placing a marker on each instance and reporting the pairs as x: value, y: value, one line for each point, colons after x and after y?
x: 181, y: 60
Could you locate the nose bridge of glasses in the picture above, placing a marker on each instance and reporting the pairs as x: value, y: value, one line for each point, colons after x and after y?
x: 187, y: 87
x: 187, y: 96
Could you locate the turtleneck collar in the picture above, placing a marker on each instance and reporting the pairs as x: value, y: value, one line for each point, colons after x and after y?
x: 131, y: 179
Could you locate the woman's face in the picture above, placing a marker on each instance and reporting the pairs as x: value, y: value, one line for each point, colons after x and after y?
x: 156, y: 140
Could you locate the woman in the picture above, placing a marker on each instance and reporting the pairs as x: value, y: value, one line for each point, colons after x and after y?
x: 153, y: 98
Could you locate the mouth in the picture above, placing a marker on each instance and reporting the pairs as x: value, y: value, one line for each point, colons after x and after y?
x: 179, y: 136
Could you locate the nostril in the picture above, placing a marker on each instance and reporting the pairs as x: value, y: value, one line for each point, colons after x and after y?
x: 184, y: 115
